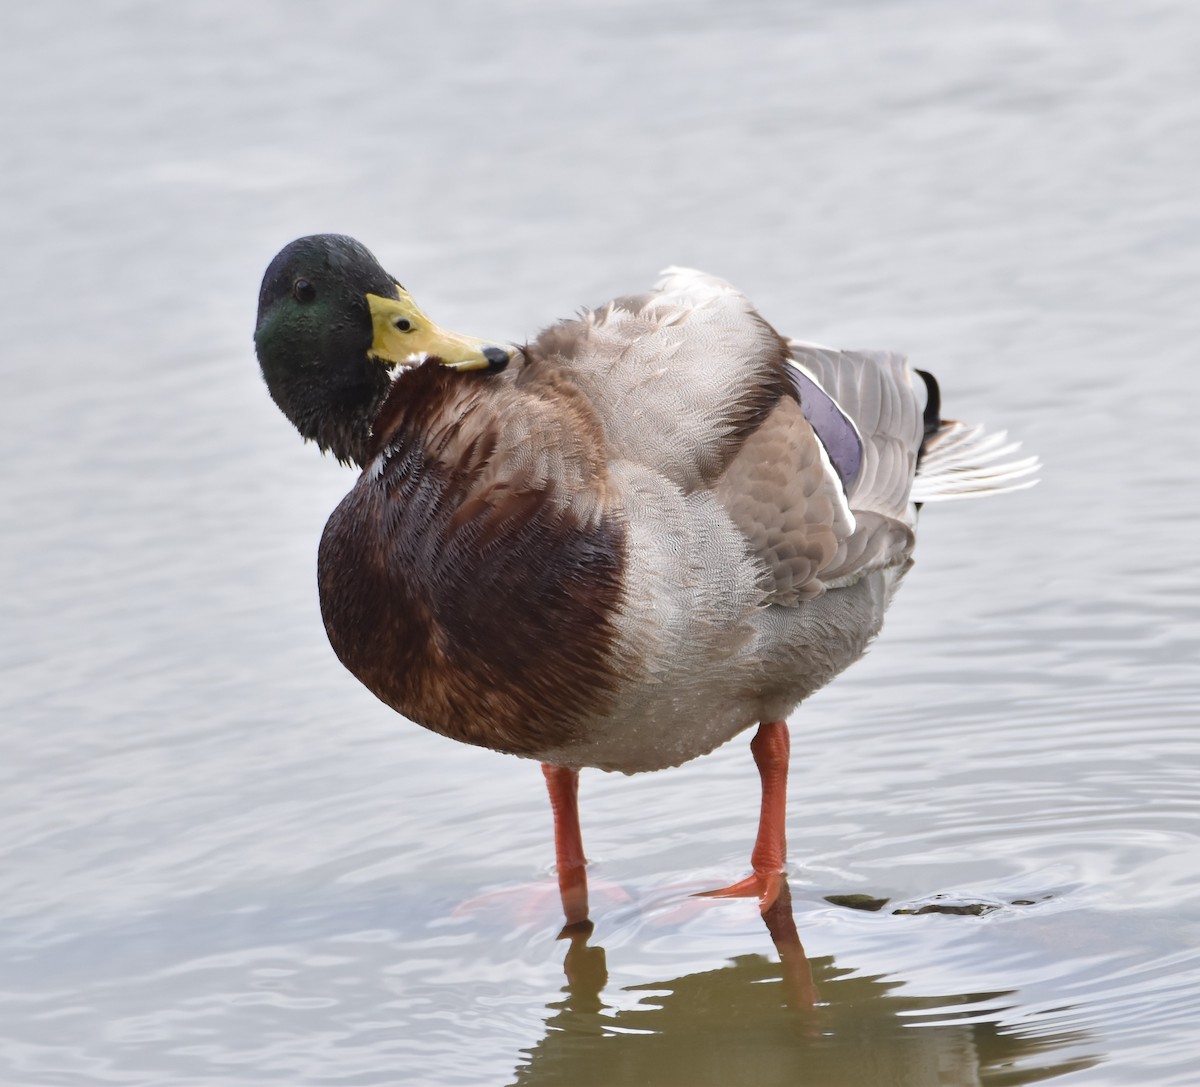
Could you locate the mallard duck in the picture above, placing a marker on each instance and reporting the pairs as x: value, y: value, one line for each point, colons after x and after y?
x: 620, y: 545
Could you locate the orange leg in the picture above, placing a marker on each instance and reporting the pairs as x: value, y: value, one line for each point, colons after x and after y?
x: 563, y: 785
x: 771, y: 746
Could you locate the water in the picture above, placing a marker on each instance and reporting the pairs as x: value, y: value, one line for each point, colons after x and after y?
x: 221, y: 861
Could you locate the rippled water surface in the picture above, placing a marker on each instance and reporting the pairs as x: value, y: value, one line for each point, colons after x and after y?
x: 222, y: 862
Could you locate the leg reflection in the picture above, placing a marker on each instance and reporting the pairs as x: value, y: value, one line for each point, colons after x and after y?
x: 797, y: 973
x: 586, y: 969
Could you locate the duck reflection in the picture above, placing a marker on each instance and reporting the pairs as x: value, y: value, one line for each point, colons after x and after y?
x: 793, y: 1021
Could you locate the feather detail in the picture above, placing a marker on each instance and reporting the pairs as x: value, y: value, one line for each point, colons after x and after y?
x: 965, y: 461
x: 876, y: 391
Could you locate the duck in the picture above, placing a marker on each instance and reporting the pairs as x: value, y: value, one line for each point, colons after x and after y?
x: 617, y: 546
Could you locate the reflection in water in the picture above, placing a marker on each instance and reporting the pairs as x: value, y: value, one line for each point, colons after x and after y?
x: 794, y: 1021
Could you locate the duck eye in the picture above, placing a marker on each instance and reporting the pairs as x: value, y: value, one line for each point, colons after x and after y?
x: 303, y: 291
x: 403, y: 324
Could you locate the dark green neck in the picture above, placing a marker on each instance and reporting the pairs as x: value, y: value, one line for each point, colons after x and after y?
x: 338, y: 420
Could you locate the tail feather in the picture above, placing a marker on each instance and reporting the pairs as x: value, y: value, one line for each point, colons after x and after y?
x: 963, y: 461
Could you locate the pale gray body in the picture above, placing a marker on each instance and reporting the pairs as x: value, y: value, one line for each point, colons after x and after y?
x: 751, y: 582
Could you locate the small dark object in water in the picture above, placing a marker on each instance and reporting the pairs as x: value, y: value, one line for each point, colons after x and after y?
x: 858, y: 902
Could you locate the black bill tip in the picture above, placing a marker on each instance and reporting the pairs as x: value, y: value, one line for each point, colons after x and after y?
x: 498, y: 359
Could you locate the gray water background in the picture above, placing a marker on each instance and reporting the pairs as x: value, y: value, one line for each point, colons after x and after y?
x: 222, y: 862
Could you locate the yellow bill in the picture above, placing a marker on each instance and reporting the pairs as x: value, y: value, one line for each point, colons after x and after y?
x: 404, y: 336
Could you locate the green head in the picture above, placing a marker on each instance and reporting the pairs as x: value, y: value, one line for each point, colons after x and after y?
x: 333, y: 327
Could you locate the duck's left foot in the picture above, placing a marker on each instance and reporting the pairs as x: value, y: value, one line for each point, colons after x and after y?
x: 764, y: 886
x: 771, y: 747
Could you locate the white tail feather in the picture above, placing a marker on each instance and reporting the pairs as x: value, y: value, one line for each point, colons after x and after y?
x: 960, y: 462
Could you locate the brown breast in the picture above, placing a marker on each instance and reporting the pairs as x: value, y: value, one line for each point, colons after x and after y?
x: 470, y: 577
